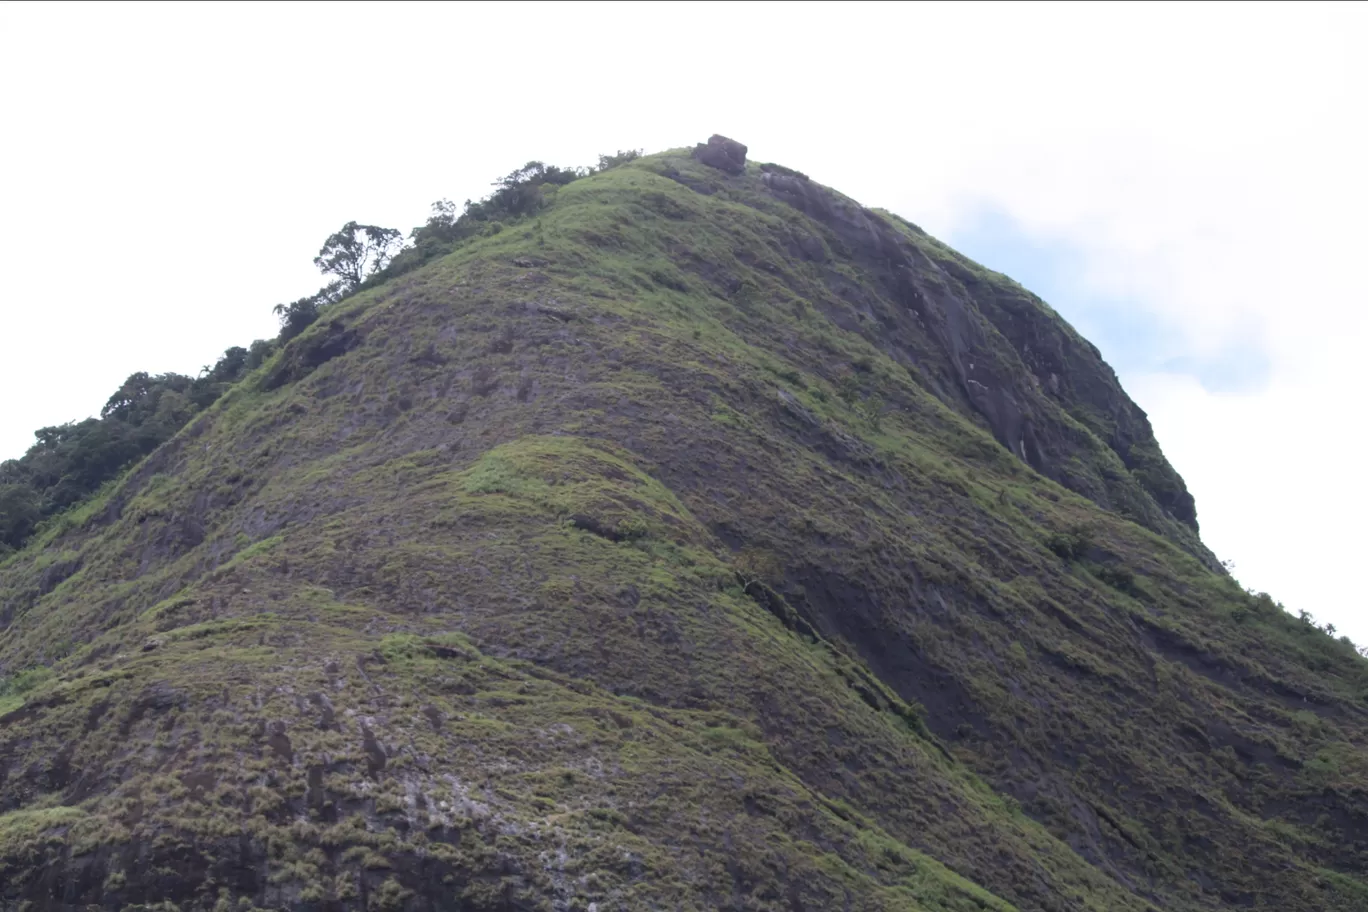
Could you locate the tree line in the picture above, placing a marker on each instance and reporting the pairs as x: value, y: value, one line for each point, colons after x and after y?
x: 358, y: 255
x: 69, y: 462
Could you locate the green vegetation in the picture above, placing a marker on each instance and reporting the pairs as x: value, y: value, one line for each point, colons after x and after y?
x: 71, y: 461
x: 356, y: 252
x: 14, y: 687
x: 642, y: 538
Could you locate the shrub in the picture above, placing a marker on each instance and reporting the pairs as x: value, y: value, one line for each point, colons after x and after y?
x: 620, y: 158
x: 848, y: 388
x: 1120, y: 578
x: 518, y: 194
x: 871, y: 410
x: 19, y: 684
x: 746, y: 296
x: 1071, y: 545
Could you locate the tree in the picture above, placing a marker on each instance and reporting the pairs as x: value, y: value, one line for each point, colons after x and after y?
x: 261, y: 350
x: 295, y: 317
x: 298, y: 316
x: 357, y: 252
x: 230, y: 366
x: 444, y: 213
x: 520, y: 192
x: 621, y: 158
x: 137, y: 401
x: 19, y: 513
x: 68, y: 462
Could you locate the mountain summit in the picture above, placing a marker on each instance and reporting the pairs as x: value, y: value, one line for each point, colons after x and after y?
x: 687, y: 537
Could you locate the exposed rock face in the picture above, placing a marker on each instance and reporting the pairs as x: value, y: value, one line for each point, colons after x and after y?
x: 722, y: 153
x: 1043, y: 391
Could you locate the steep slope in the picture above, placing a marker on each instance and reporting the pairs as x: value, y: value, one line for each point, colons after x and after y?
x: 707, y: 541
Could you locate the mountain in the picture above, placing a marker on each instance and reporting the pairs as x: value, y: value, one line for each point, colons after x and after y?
x: 693, y: 538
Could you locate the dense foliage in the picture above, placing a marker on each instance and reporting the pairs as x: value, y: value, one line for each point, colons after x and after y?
x: 356, y: 252
x: 68, y: 462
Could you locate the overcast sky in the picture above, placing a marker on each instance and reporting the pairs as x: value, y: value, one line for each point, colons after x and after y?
x: 1185, y: 183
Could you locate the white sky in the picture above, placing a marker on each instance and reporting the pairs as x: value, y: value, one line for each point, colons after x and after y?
x: 167, y: 174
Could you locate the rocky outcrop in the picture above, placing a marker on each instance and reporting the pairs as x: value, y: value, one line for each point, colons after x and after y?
x: 722, y: 153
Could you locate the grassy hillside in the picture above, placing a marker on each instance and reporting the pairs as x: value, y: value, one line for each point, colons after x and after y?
x: 700, y: 541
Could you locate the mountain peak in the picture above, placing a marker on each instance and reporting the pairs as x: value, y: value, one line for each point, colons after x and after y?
x: 682, y: 534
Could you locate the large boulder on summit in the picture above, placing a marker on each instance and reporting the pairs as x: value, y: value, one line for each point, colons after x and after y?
x: 722, y: 153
